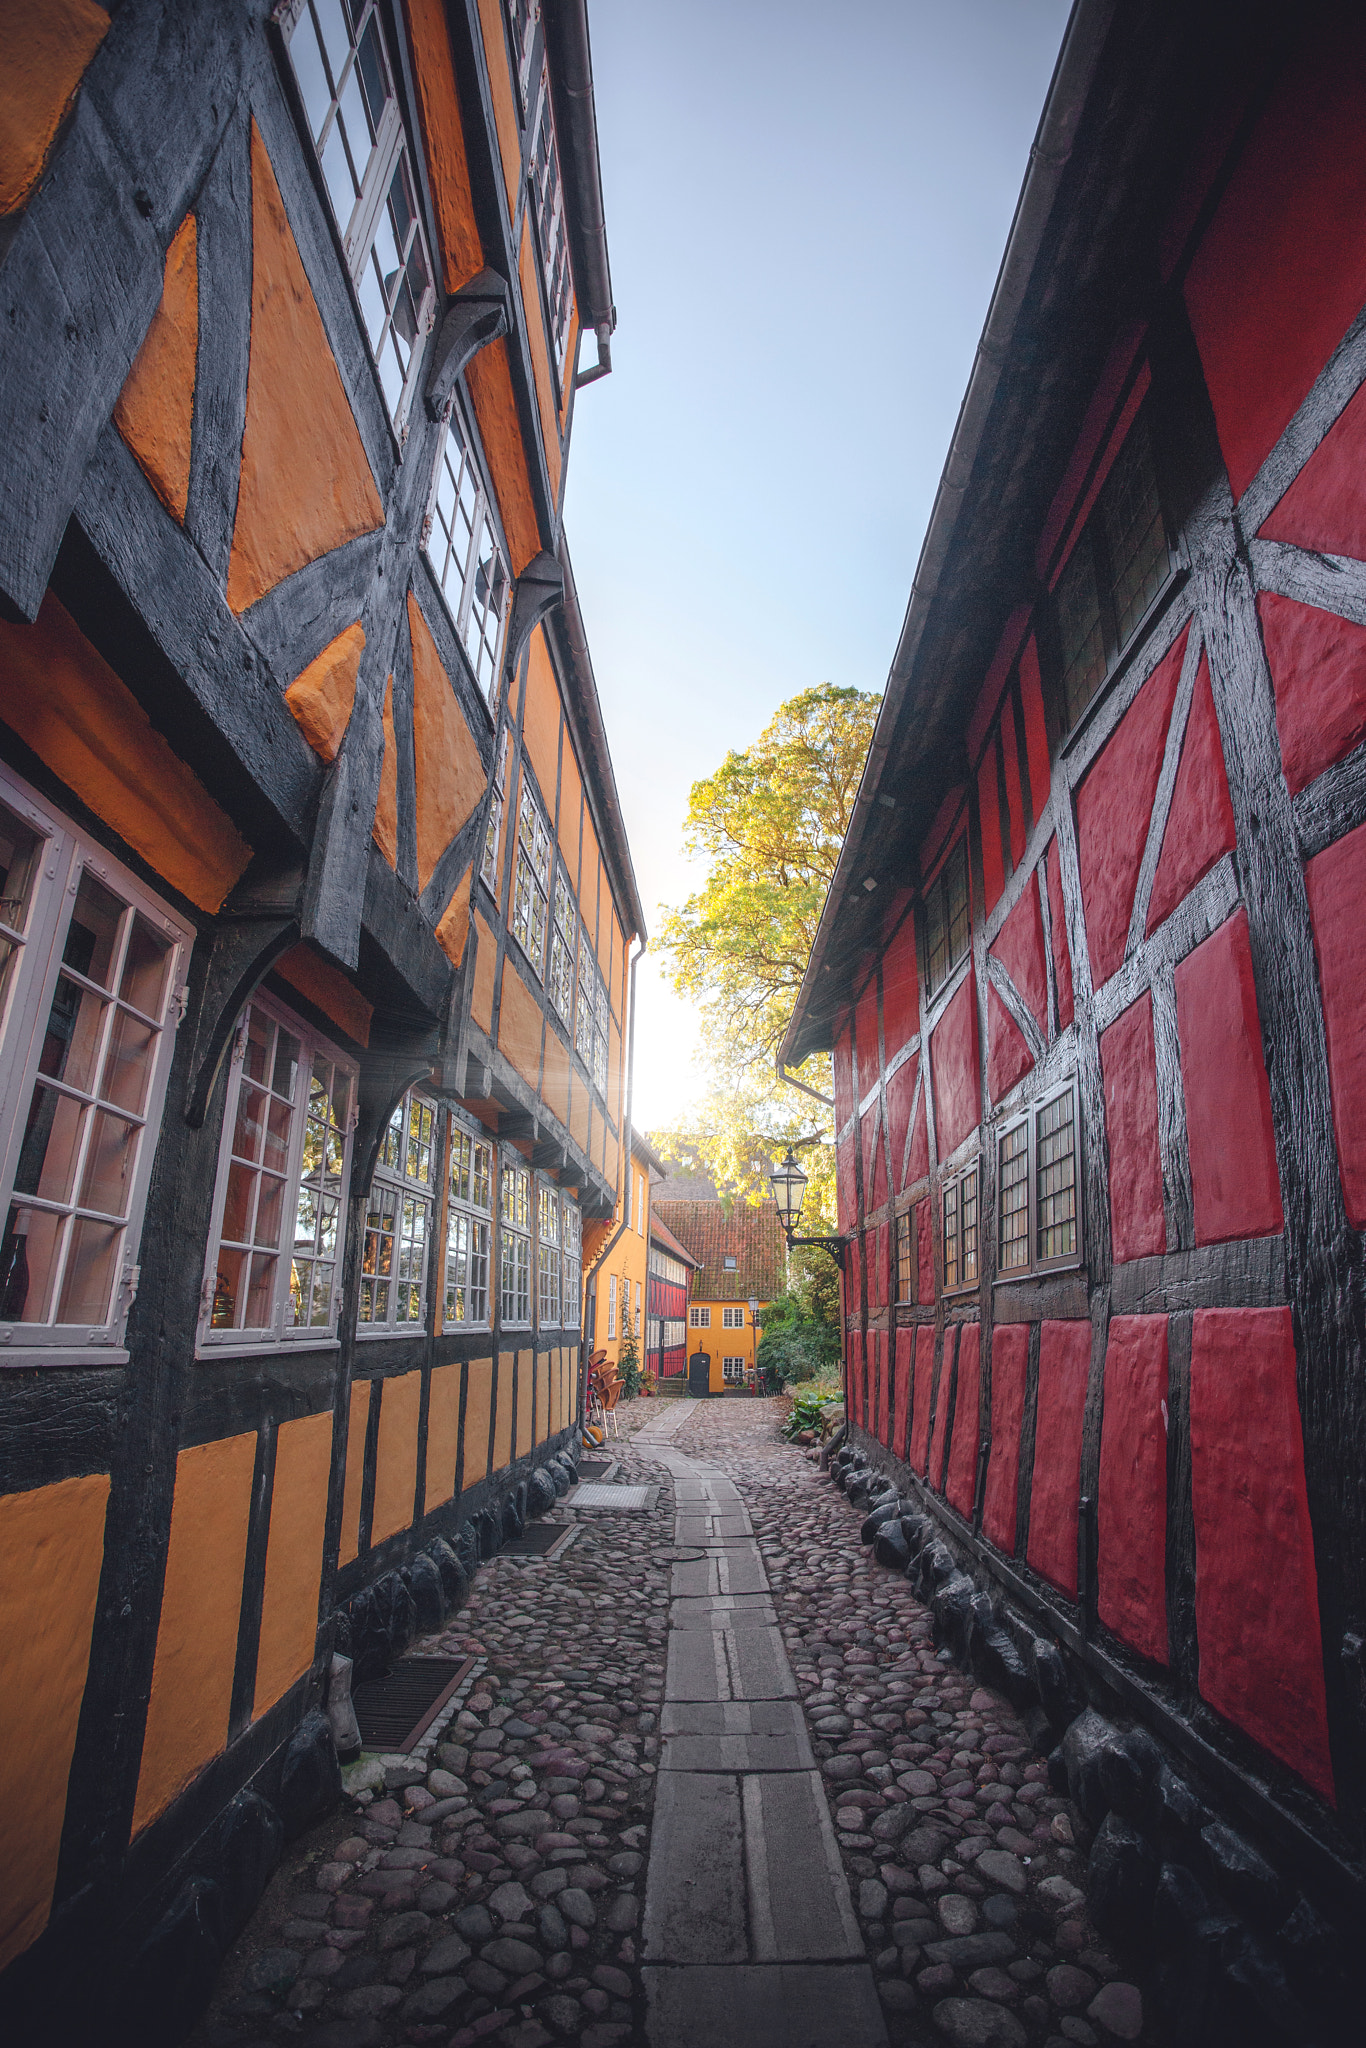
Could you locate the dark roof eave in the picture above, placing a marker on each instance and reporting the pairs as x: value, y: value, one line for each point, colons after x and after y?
x: 1064, y: 106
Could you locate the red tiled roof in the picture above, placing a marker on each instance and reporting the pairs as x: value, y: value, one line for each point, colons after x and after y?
x: 661, y: 1234
x: 750, y: 1234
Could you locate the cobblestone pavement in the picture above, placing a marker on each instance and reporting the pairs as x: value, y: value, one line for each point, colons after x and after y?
x: 501, y: 1899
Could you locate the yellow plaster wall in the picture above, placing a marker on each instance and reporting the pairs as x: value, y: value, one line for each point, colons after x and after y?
x: 555, y: 1085
x: 449, y: 772
x: 520, y: 1021
x: 294, y: 1556
x: 542, y: 1427
x: 486, y: 967
x: 45, y: 46
x: 355, y: 1470
x: 396, y: 1456
x: 478, y: 1407
x: 384, y: 831
x: 502, y: 1413
x: 443, y: 138
x: 723, y: 1344
x: 503, y: 91
x: 155, y: 409
x: 322, y: 696
x: 201, y: 1605
x: 443, y: 1435
x: 52, y: 1540
x: 526, y: 1402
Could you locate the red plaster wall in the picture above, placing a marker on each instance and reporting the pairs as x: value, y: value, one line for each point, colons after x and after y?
x: 1256, y: 1598
x: 1325, y: 508
x: 989, y: 805
x: 1281, y: 272
x: 920, y: 1406
x: 874, y: 1159
x: 900, y: 1097
x: 842, y: 1062
x: 1132, y: 1503
x: 924, y: 1254
x: 1336, y: 882
x: 1228, y: 1104
x: 1036, y: 729
x: 1128, y: 1061
x: 901, y: 1398
x: 1114, y: 807
x: 989, y: 696
x: 883, y: 1430
x: 1200, y: 823
x: 962, y: 1476
x: 845, y: 1193
x: 918, y: 1164
x: 1318, y: 669
x: 1064, y: 1362
x: 1062, y: 958
x: 1008, y: 1057
x: 1009, y: 1369
x: 900, y: 994
x: 939, y: 1442
x: 953, y: 1063
x: 877, y: 1266
x: 1019, y: 948
x: 1010, y: 750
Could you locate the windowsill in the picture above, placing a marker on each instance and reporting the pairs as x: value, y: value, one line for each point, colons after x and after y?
x: 30, y: 1355
x: 1019, y: 1277
x: 205, y: 1352
x: 371, y: 1332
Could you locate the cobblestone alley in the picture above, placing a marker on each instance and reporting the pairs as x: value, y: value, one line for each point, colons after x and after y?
x: 502, y: 1888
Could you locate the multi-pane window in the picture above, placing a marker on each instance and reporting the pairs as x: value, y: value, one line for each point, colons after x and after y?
x: 522, y: 18
x: 469, y: 1201
x: 612, y: 1306
x: 548, y: 1266
x: 733, y: 1371
x: 948, y: 921
x: 547, y: 195
x: 338, y: 51
x: 600, y: 1027
x: 905, y: 1256
x: 493, y: 832
x: 466, y: 554
x: 531, y: 896
x: 562, y: 950
x: 514, y: 1244
x: 398, y: 1220
x: 699, y: 1318
x: 276, y: 1246
x: 732, y: 1318
x: 583, y: 1027
x: 1038, y: 1175
x: 89, y: 966
x: 572, y: 1237
x: 1119, y: 564
x: 960, y: 1231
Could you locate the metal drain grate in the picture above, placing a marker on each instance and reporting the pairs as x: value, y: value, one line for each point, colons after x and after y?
x: 396, y: 1711
x: 593, y: 1468
x: 634, y: 1498
x: 538, y: 1539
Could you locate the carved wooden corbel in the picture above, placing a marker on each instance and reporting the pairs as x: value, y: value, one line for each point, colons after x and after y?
x: 480, y: 312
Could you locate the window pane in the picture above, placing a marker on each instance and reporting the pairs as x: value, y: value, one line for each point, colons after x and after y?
x: 951, y: 1236
x: 93, y: 935
x: 111, y: 1155
x: 128, y: 1062
x: 967, y: 1226
x: 19, y: 851
x: 1014, y: 1185
x: 90, y: 1266
x: 1081, y: 635
x: 28, y: 1264
x: 1057, y: 1179
x: 1134, y: 533
x: 71, y: 1042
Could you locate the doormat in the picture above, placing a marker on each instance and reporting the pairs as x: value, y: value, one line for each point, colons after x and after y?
x: 541, y: 1539
x: 396, y: 1711
x: 633, y: 1498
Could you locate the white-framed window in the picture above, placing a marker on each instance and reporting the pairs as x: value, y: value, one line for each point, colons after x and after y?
x: 398, y: 1221
x: 548, y: 1257
x: 562, y: 950
x: 493, y: 831
x: 612, y: 1305
x: 732, y: 1318
x: 337, y: 49
x: 547, y: 198
x: 531, y: 894
x: 572, y: 1239
x: 600, y: 1027
x: 514, y: 1243
x: 469, y: 1226
x: 733, y: 1371
x: 523, y: 16
x: 591, y: 1022
x: 1038, y: 1181
x: 635, y: 1326
x: 90, y: 966
x: 959, y: 1210
x: 279, y: 1214
x: 699, y: 1318
x: 466, y: 554
x: 729, y: 1263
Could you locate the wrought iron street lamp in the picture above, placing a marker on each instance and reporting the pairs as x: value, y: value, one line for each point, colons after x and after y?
x: 789, y: 1192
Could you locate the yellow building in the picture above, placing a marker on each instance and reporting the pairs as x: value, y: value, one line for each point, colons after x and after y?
x: 614, y: 1307
x: 741, y: 1262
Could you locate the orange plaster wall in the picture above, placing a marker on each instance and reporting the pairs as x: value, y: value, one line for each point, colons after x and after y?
x: 454, y: 921
x: 450, y: 774
x: 571, y: 345
x: 53, y: 1542
x: 503, y: 93
x: 396, y: 1456
x: 322, y: 696
x: 45, y: 46
x: 64, y: 701
x: 328, y: 991
x: 155, y: 409
x: 489, y: 378
x: 443, y: 138
x: 201, y: 1604
x: 294, y: 1556
x: 443, y: 1435
x: 571, y: 804
x: 502, y: 1414
x: 541, y: 723
x: 384, y: 831
x: 578, y: 1121
x: 478, y: 1408
x: 306, y: 484
x: 555, y: 1086
x: 526, y: 1405
x: 349, y: 1543
x: 528, y: 272
x: 481, y: 1003
x: 519, y: 1026
x: 543, y: 1365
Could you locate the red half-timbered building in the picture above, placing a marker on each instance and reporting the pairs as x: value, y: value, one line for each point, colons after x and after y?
x: 1091, y: 970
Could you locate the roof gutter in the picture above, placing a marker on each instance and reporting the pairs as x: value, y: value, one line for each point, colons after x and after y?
x: 571, y: 74
x: 1068, y: 91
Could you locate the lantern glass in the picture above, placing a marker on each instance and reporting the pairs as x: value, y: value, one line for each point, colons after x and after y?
x: 789, y: 1191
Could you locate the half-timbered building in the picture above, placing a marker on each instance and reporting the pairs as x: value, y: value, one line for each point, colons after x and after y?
x: 1091, y: 972
x: 316, y: 912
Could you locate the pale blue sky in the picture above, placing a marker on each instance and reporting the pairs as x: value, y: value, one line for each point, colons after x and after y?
x: 806, y: 209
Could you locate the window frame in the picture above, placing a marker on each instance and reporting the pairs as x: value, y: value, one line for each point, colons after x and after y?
x: 463, y: 1208
x: 571, y: 1243
x: 729, y: 1378
x: 562, y: 947
x: 936, y: 910
x: 592, y: 1016
x: 481, y: 519
x: 498, y: 803
x: 215, y: 1342
x: 515, y: 1231
x: 59, y: 857
x: 535, y: 897
x: 545, y: 203
x: 905, y: 1272
x: 406, y: 1188
x: 549, y: 1257
x: 732, y: 1316
x: 953, y: 1188
x: 699, y: 1318
x: 1028, y: 1120
x: 611, y: 1307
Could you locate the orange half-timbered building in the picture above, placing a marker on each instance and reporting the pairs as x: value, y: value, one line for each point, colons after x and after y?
x: 316, y: 913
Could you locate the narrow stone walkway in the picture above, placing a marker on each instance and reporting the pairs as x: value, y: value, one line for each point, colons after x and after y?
x: 749, y: 1934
